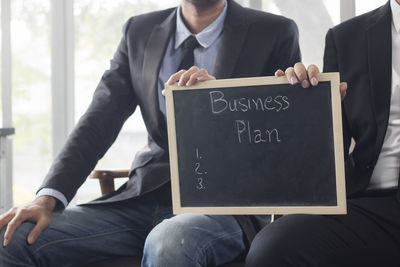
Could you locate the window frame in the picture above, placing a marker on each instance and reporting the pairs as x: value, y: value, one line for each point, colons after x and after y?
x: 62, y: 72
x: 6, y: 182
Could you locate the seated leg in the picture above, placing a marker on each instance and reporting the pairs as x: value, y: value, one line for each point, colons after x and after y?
x: 194, y: 240
x: 84, y: 234
x: 369, y: 235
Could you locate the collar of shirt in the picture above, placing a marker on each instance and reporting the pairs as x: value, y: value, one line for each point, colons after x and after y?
x: 206, y: 37
x: 395, y: 14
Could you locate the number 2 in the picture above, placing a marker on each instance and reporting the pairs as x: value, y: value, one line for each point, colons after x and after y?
x: 197, y: 168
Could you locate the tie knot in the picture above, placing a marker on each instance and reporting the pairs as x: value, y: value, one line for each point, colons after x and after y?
x: 190, y: 43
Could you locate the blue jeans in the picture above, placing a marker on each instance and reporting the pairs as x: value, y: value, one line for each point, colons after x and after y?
x: 85, y: 234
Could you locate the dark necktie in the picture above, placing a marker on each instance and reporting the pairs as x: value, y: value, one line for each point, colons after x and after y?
x: 188, y: 56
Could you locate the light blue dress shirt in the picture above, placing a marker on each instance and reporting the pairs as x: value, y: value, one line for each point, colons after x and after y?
x: 204, y: 55
x: 204, y: 58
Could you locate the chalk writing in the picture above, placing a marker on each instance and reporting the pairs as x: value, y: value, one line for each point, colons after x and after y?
x: 247, y: 134
x: 199, y: 173
x: 219, y: 103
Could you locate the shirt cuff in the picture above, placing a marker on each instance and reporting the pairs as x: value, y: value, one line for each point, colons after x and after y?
x: 53, y: 193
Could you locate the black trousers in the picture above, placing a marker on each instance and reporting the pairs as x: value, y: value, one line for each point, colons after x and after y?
x: 369, y: 235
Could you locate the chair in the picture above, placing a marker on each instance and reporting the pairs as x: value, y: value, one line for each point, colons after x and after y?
x: 106, y: 179
x: 107, y: 185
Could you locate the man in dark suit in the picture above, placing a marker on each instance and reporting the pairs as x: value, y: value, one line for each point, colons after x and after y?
x: 220, y: 36
x: 366, y: 52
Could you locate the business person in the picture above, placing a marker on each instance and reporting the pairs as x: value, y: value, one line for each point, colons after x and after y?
x: 366, y: 52
x: 221, y: 37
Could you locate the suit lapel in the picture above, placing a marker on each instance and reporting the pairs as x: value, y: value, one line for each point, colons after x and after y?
x: 233, y: 37
x: 379, y: 38
x: 153, y: 56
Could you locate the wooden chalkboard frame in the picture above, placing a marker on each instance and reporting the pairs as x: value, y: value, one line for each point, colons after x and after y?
x: 340, y: 208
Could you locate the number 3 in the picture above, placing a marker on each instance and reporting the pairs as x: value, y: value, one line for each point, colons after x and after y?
x: 200, y: 185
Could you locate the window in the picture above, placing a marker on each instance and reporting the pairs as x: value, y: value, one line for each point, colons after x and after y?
x: 363, y: 6
x: 30, y: 31
x: 313, y: 19
x: 1, y: 66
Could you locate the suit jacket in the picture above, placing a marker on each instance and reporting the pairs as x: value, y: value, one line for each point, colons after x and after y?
x: 253, y: 43
x: 361, y: 50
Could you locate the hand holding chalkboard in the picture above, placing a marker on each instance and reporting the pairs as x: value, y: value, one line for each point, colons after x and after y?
x: 256, y: 146
x: 299, y: 74
x: 188, y: 77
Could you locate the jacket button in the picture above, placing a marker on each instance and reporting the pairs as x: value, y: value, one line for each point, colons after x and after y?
x: 369, y: 166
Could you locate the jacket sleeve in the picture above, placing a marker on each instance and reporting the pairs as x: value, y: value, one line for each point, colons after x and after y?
x: 113, y: 102
x: 331, y: 65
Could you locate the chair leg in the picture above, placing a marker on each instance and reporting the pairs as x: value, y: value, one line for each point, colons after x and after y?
x: 107, y: 186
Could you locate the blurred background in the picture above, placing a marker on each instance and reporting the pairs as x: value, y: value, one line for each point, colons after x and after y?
x: 54, y: 53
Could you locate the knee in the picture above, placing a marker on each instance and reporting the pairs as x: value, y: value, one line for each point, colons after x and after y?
x: 267, y: 250
x: 168, y: 245
x: 17, y: 251
x: 280, y: 244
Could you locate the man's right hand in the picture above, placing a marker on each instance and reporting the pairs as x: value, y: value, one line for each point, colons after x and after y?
x: 299, y: 74
x: 39, y: 212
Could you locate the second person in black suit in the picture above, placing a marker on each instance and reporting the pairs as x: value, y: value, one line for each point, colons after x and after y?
x: 366, y: 52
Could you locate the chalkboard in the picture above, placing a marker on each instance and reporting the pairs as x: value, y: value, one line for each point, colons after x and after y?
x: 256, y: 146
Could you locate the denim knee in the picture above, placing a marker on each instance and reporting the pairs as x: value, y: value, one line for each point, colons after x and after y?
x: 194, y: 240
x: 16, y: 253
x: 168, y: 245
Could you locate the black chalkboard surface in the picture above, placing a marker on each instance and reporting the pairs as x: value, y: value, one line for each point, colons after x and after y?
x: 256, y: 146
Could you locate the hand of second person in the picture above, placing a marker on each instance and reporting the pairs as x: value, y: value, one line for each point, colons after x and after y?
x: 306, y: 77
x: 189, y: 77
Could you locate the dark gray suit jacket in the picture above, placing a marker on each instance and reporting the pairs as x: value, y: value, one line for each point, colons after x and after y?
x: 253, y: 43
x: 361, y: 50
